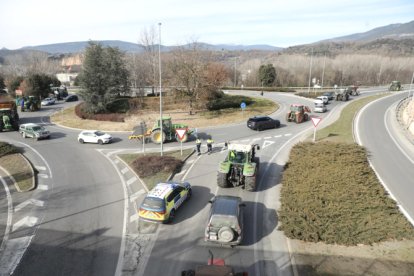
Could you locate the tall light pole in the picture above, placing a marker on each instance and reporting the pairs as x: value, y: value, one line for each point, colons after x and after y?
x: 235, y: 78
x: 159, y: 71
x: 310, y: 71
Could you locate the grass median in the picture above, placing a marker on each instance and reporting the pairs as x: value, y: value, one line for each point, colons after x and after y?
x: 17, y: 166
x: 331, y: 194
x: 160, y: 168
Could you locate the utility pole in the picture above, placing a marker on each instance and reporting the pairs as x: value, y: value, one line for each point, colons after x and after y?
x: 310, y: 71
x: 323, y: 70
x: 159, y: 69
x: 235, y: 77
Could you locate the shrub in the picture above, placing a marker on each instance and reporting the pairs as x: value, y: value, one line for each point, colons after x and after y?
x: 6, y: 148
x: 227, y: 101
x: 149, y: 165
x: 112, y: 117
x: 120, y: 105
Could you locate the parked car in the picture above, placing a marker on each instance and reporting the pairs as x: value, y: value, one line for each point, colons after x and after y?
x: 330, y: 95
x: 34, y: 131
x: 319, y: 106
x: 94, y: 136
x: 325, y: 99
x: 71, y: 98
x: 48, y: 101
x: 225, y: 221
x: 163, y: 200
x: 262, y: 122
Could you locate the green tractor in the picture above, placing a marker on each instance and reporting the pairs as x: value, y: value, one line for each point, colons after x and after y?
x: 168, y: 132
x: 395, y: 86
x: 240, y: 168
x: 9, y: 118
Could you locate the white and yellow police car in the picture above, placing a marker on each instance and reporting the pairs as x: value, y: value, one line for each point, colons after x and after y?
x: 163, y: 200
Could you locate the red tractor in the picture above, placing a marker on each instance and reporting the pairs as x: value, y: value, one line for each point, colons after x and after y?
x: 298, y: 113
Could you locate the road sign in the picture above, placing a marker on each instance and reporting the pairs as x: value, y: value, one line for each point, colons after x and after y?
x: 243, y: 105
x: 316, y: 120
x: 181, y: 132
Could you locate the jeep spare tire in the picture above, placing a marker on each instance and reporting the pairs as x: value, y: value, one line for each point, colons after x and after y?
x: 225, y: 234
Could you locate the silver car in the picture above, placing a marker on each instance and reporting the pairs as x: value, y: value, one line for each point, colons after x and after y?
x: 225, y: 222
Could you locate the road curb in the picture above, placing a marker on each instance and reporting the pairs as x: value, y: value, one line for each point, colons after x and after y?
x: 185, y: 159
x: 33, y: 175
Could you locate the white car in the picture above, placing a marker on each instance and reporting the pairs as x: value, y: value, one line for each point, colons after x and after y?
x: 319, y: 106
x: 48, y: 101
x: 94, y: 136
x: 325, y: 99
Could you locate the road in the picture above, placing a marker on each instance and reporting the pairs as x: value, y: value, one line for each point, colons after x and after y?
x: 81, y: 226
x: 390, y: 153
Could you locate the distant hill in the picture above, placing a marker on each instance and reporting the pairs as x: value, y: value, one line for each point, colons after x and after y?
x: 76, y: 47
x: 393, y: 31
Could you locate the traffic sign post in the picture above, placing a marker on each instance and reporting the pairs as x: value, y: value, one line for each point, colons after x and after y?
x: 243, y: 107
x: 315, y: 121
x: 181, y: 133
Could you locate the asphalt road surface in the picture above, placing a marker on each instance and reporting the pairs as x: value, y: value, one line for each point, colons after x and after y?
x: 80, y: 219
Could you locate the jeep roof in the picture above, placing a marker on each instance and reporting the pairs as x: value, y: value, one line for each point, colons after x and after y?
x: 226, y: 205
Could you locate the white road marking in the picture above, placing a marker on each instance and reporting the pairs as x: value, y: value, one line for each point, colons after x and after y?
x: 267, y: 143
x: 40, y: 168
x: 134, y: 197
x: 256, y: 139
x: 277, y: 136
x: 133, y: 218
x: 131, y: 180
x: 42, y: 175
x: 12, y: 254
x: 190, y: 161
x: 42, y: 187
x: 288, y: 134
x: 26, y: 221
x: 268, y: 137
x: 180, y: 173
x: 9, y: 214
x: 35, y: 202
x: 124, y: 170
x: 116, y: 161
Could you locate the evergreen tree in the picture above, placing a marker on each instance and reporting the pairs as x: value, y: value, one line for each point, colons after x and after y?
x: 103, y: 77
x: 267, y: 75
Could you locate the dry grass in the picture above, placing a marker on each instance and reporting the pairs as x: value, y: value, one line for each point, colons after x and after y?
x: 68, y: 118
x: 19, y: 168
x: 330, y: 194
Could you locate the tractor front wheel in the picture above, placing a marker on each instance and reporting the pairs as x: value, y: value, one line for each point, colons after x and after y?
x: 157, y: 136
x: 222, y: 180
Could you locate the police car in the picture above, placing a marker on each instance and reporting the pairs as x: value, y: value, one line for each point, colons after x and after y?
x: 163, y: 200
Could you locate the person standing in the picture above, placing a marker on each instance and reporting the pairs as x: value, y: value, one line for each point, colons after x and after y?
x: 209, y: 145
x: 198, y: 145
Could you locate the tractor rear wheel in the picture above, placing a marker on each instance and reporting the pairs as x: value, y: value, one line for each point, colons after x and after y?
x: 222, y: 180
x: 157, y: 136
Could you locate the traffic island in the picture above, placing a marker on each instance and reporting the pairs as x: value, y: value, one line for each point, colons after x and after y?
x: 17, y: 167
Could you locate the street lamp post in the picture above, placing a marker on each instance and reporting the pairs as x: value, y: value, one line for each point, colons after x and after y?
x: 235, y: 77
x: 159, y: 71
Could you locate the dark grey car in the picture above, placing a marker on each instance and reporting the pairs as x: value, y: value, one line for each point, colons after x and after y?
x: 225, y: 222
x: 262, y: 122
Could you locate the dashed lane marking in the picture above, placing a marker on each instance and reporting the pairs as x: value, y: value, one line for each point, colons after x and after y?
x: 131, y: 180
x: 40, y: 168
x: 26, y: 221
x: 277, y: 136
x: 288, y: 134
x: 35, y: 202
x: 42, y: 175
x: 256, y: 139
x: 124, y: 170
x: 268, y: 137
x: 42, y: 187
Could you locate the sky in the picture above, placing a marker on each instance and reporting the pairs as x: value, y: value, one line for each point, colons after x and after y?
x: 279, y: 23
